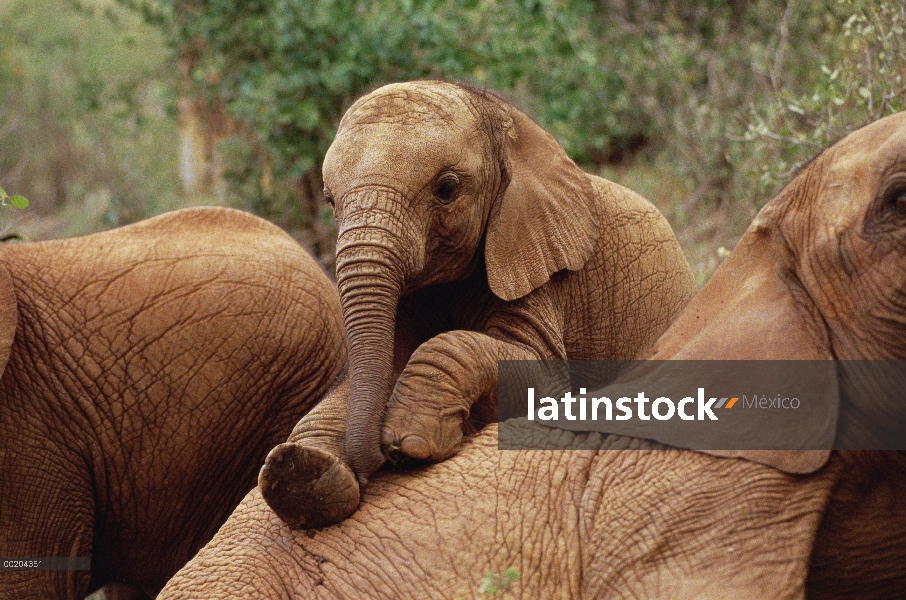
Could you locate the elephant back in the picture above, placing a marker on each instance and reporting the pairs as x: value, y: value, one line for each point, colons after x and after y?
x: 204, y: 220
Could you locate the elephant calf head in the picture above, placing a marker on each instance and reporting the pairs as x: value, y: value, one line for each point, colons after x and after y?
x: 430, y: 181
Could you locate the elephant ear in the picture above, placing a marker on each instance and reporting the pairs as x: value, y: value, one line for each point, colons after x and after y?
x: 754, y: 308
x: 9, y: 316
x: 545, y: 220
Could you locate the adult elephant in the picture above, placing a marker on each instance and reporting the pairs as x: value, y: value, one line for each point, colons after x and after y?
x: 148, y: 370
x: 468, y: 236
x: 821, y: 273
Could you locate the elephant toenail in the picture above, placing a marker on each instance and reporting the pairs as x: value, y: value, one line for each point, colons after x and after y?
x: 415, y: 446
x: 388, y: 438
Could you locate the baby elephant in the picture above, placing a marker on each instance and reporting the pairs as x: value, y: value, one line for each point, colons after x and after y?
x: 820, y: 274
x: 468, y: 236
x: 148, y: 370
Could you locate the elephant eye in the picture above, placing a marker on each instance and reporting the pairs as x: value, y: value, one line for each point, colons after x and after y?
x: 898, y: 201
x: 328, y: 197
x: 447, y: 188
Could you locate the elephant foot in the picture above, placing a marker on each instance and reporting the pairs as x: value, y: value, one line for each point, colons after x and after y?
x: 308, y: 487
x: 413, y: 450
x: 411, y: 439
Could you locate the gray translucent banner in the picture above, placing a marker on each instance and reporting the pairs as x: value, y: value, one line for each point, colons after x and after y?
x: 53, y: 563
x: 706, y: 405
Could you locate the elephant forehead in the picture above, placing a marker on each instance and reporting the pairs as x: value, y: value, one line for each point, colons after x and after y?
x: 391, y: 154
x: 417, y: 103
x: 891, y: 154
x: 868, y: 153
x: 384, y: 144
x: 833, y: 193
x: 856, y: 168
x: 874, y: 137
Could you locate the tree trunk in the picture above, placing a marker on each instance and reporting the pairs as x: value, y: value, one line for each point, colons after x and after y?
x: 201, y: 127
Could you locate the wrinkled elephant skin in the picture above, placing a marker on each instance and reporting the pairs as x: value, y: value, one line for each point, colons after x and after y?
x: 575, y: 524
x: 823, y: 265
x: 468, y: 236
x: 148, y: 370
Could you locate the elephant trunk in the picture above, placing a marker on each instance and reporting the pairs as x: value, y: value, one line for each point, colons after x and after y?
x: 370, y: 279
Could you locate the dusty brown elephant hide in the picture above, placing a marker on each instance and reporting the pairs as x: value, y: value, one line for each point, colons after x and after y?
x: 148, y: 370
x: 468, y: 236
x: 821, y: 272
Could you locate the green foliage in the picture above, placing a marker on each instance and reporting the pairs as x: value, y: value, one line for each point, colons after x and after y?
x: 743, y: 97
x: 20, y: 202
x: 11, y: 202
x: 289, y: 68
x: 705, y: 107
x: 859, y: 79
x: 494, y: 586
x: 84, y: 125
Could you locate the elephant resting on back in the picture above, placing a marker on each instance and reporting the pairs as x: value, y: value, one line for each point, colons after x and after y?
x: 467, y: 236
x: 148, y: 370
x: 820, y: 274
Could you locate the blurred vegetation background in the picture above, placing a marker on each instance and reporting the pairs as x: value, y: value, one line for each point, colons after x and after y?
x: 115, y: 110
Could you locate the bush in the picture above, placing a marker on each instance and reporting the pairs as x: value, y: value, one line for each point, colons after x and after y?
x: 751, y: 95
x: 704, y: 107
x: 83, y: 124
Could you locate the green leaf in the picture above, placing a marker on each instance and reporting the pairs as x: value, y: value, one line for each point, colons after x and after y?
x: 3, y: 193
x: 488, y: 585
x: 19, y: 201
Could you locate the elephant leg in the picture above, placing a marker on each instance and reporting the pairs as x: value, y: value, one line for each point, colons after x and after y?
x: 307, y: 480
x: 449, y: 384
x: 448, y: 389
x: 47, y: 512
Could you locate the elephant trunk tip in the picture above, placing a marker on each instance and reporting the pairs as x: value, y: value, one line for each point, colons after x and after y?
x: 307, y: 487
x: 364, y: 460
